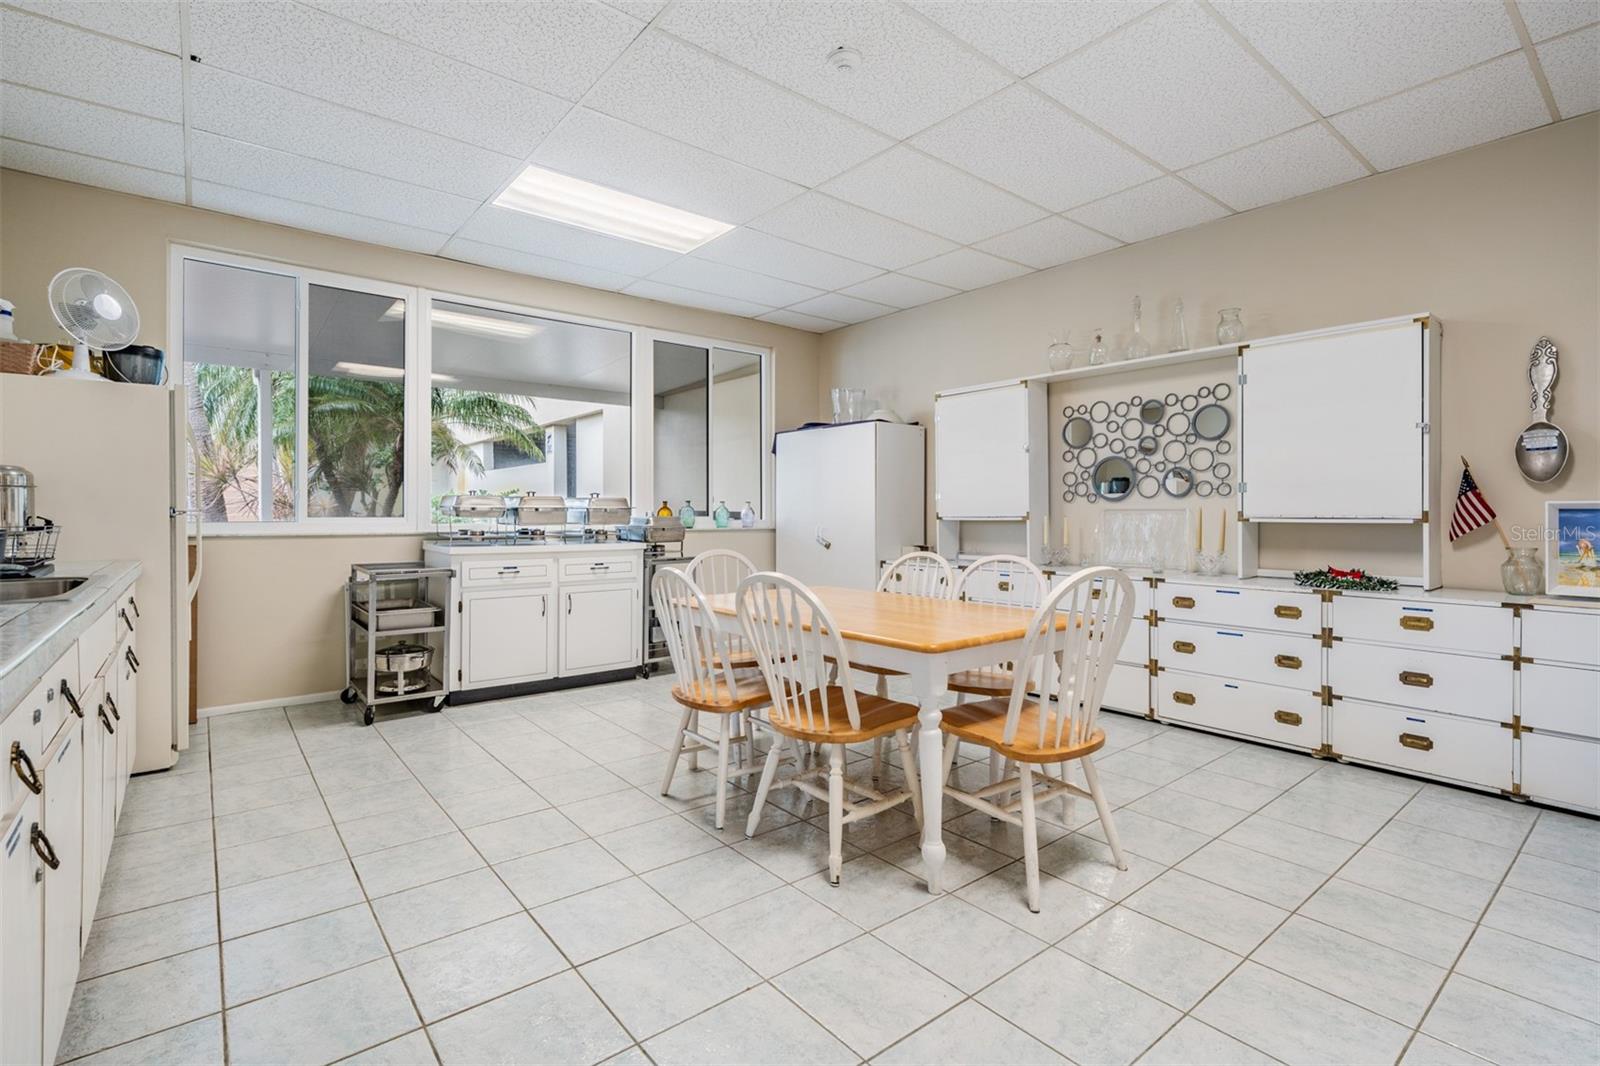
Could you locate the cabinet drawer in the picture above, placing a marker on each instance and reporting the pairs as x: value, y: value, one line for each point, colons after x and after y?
x: 1561, y: 699
x: 1135, y: 648
x: 1128, y: 689
x: 49, y: 690
x: 1266, y: 712
x: 96, y: 645
x: 1561, y: 636
x: 504, y: 571
x: 23, y: 728
x: 1459, y: 749
x: 1281, y: 611
x: 1562, y: 770
x: 1466, y: 685
x: 599, y: 568
x: 1420, y: 624
x: 1289, y: 659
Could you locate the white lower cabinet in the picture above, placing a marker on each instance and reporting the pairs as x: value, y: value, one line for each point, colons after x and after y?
x: 22, y: 890
x: 1561, y: 699
x: 1128, y: 689
x: 600, y: 627
x: 1292, y: 717
x: 95, y: 842
x: 1472, y: 686
x: 1561, y: 769
x: 1466, y: 750
x: 1288, y: 659
x: 507, y: 636
x: 67, y: 903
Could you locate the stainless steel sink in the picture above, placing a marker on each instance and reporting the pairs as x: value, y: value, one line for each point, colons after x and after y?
x: 30, y: 589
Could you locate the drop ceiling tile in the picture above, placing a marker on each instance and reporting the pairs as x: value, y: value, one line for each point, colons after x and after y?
x: 290, y: 177
x: 1047, y: 243
x: 907, y: 185
x: 1028, y: 144
x: 676, y: 89
x: 74, y: 126
x: 523, y: 232
x: 722, y: 280
x: 1572, y: 65
x: 845, y: 309
x: 247, y: 204
x: 795, y: 320
x: 1477, y: 105
x: 538, y: 266
x: 248, y: 110
x: 1161, y: 206
x: 844, y: 229
x: 675, y: 294
x: 153, y: 23
x: 643, y: 10
x: 85, y: 170
x: 47, y: 55
x: 1298, y: 162
x: 1175, y: 86
x: 559, y: 47
x: 1024, y: 35
x: 899, y: 290
x: 774, y: 256
x: 317, y: 54
x: 1546, y: 18
x: 966, y: 268
x: 910, y: 75
x: 1343, y: 53
x: 620, y: 155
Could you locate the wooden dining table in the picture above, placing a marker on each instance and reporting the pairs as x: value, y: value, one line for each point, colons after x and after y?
x: 926, y: 639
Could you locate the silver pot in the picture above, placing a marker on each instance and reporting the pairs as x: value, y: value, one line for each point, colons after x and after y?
x: 403, y: 658
x: 16, y: 497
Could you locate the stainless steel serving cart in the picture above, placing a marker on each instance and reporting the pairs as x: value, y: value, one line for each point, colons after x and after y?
x: 397, y: 635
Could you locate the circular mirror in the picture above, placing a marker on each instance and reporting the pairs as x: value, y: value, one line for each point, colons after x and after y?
x: 1135, y: 401
x: 1204, y: 391
x: 1148, y: 446
x: 1225, y: 489
x: 1100, y: 440
x: 1158, y: 431
x: 1191, y: 437
x: 1177, y: 423
x: 1161, y: 466
x: 1189, y: 403
x: 1201, y: 459
x: 1077, y: 432
x: 1067, y: 479
x: 1120, y: 409
x: 1222, y: 470
x: 1099, y: 411
x: 1152, y: 411
x: 1090, y: 497
x: 1224, y: 447
x: 1172, y: 399
x: 1113, y: 478
x: 1085, y: 458
x: 1149, y: 487
x: 1177, y: 481
x: 1142, y: 464
x: 1203, y: 489
x: 1212, y: 421
x: 1221, y: 391
x: 1132, y: 428
x: 1173, y: 450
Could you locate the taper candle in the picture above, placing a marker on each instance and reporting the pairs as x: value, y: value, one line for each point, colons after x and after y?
x: 1222, y: 534
x: 1200, y: 530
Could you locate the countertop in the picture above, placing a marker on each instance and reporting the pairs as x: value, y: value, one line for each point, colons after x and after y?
x: 554, y: 547
x: 34, y: 635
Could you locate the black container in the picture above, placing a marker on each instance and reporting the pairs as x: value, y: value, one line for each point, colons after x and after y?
x: 137, y: 364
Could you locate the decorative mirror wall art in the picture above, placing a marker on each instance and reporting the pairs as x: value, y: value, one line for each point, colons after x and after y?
x: 1145, y: 447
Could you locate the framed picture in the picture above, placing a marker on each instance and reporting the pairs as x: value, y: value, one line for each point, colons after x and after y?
x: 1572, y: 556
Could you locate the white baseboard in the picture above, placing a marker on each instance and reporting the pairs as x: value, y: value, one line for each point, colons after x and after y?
x: 261, y: 705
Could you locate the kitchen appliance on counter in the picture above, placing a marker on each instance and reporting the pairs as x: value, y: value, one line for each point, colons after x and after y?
x: 653, y: 529
x: 27, y: 541
x: 388, y: 602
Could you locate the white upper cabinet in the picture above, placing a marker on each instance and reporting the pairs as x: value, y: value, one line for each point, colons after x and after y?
x: 981, y: 452
x: 1333, y: 424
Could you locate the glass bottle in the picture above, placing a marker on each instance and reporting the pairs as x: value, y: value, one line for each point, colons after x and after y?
x: 665, y: 510
x: 1138, y: 347
x: 1521, y: 573
x: 721, y: 515
x: 1230, y: 330
x: 747, y: 517
x: 686, y: 515
x: 1059, y: 354
x: 1180, y: 330
x: 1097, y: 353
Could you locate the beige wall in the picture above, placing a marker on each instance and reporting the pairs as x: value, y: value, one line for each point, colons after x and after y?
x: 269, y: 619
x: 1500, y: 242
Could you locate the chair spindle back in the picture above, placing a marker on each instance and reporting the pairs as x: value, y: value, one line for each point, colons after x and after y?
x: 719, y: 571
x: 919, y: 574
x: 793, y: 638
x: 1008, y: 580
x: 698, y: 649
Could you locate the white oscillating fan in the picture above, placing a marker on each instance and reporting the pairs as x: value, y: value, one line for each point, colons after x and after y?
x: 96, y: 311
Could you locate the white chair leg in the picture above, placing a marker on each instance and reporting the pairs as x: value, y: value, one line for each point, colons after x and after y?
x: 677, y: 752
x: 768, y: 772
x: 1030, y: 836
x: 883, y: 686
x: 951, y: 746
x: 903, y: 741
x: 1092, y: 776
x: 994, y: 778
x: 1066, y: 797
x: 694, y: 756
x: 722, y: 768
x: 877, y: 759
x: 835, y: 812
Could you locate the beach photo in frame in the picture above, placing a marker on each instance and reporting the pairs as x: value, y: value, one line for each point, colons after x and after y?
x: 1572, y: 551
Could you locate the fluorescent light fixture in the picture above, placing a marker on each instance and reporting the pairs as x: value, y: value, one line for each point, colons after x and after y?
x: 370, y: 370
x: 448, y: 379
x: 466, y: 322
x: 618, y: 214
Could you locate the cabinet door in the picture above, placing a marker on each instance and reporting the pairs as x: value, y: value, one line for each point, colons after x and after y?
x: 66, y: 911
x: 93, y: 795
x: 826, y: 512
x: 507, y: 636
x: 1564, y: 770
x: 600, y: 629
x: 1332, y: 426
x: 21, y: 932
x: 980, y: 453
x: 128, y: 728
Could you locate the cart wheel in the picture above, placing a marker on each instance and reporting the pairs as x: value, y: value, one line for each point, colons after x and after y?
x: 349, y: 694
x: 438, y: 704
x: 368, y: 716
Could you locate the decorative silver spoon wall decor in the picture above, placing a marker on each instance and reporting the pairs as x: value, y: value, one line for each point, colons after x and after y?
x: 1542, y: 447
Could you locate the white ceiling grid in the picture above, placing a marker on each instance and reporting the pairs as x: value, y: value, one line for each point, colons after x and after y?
x: 977, y: 140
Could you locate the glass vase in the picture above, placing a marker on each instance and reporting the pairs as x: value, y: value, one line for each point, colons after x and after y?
x: 1138, y: 347
x: 1522, y: 574
x: 721, y: 515
x: 1180, y: 330
x: 686, y: 514
x: 1230, y: 330
x: 1097, y: 354
x: 1059, y: 355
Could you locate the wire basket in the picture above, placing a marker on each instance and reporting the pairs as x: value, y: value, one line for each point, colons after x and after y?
x: 28, y: 549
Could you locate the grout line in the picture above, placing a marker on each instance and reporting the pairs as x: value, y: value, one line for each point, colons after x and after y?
x: 1525, y: 41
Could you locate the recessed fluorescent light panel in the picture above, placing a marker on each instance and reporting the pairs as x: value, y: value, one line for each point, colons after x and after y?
x: 617, y: 214
x: 370, y: 370
x: 466, y: 322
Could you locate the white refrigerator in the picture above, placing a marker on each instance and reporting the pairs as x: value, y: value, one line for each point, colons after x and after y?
x: 849, y: 497
x: 111, y: 465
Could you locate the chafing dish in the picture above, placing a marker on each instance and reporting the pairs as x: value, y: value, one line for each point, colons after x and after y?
x: 599, y: 510
x: 534, y: 509
x: 478, y: 505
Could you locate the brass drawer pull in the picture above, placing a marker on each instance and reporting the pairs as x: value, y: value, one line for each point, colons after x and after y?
x: 1284, y: 611
x: 1286, y: 717
x: 1417, y: 741
x: 1185, y: 698
x: 1003, y: 586
x: 1183, y: 647
x: 42, y: 847
x: 22, y: 766
x: 1288, y: 662
x: 1415, y: 679
x: 1416, y: 623
x: 1183, y: 601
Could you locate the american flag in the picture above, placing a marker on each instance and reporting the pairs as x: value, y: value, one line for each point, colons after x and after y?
x: 1472, y: 510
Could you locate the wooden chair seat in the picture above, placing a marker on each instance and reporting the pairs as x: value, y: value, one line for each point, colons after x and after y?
x: 981, y: 682
x: 879, y: 717
x: 984, y: 723
x: 715, y: 697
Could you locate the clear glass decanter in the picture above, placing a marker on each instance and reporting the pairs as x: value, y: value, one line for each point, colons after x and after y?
x: 1097, y: 353
x: 1230, y: 330
x: 1059, y: 355
x: 747, y: 517
x: 721, y: 515
x: 686, y: 514
x: 1180, y: 330
x: 1138, y: 347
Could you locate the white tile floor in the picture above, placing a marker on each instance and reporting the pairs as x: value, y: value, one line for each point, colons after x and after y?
x: 501, y: 883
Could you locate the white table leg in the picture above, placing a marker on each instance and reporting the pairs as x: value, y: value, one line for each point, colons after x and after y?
x: 930, y: 680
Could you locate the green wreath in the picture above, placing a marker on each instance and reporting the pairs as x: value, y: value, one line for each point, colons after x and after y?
x: 1352, y: 580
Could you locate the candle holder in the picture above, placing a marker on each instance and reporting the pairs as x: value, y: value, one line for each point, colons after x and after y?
x: 1208, y: 564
